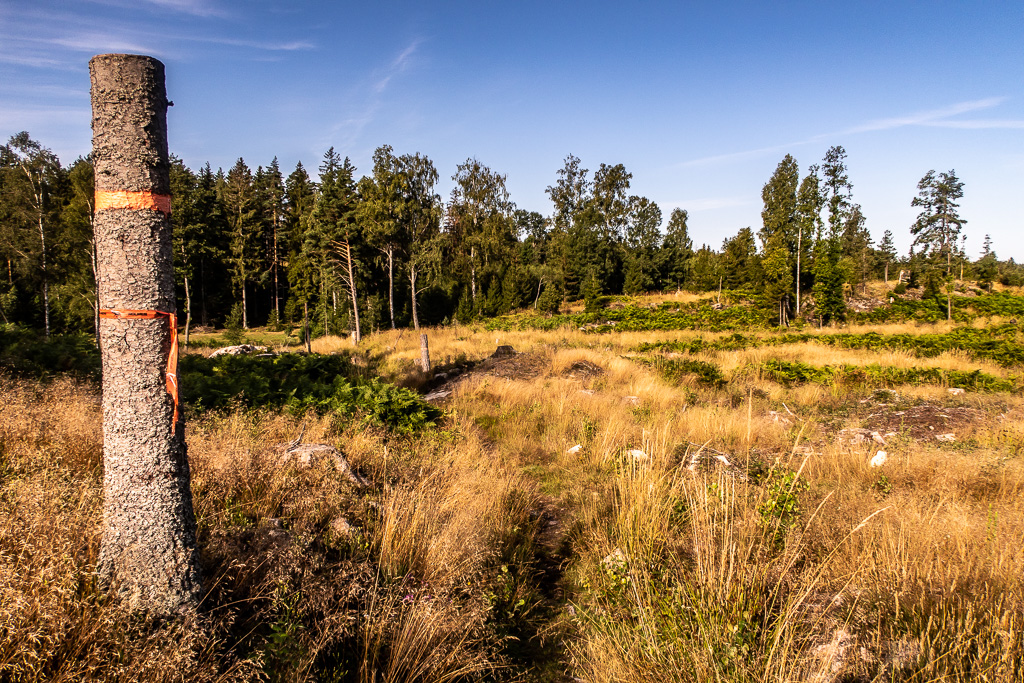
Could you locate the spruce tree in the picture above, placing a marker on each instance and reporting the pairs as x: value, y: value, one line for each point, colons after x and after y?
x: 828, y: 275
x: 246, y: 231
x: 780, y: 233
x: 676, y: 250
x: 643, y: 239
x: 886, y: 252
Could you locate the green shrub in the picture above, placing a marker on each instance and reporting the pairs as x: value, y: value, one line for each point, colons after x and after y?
x: 234, y: 333
x: 550, y: 300
x: 27, y: 353
x: 673, y: 369
x: 795, y: 372
x: 298, y: 383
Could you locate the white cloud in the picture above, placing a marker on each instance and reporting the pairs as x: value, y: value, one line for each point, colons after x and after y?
x: 397, y: 66
x: 935, y: 118
x: 925, y: 118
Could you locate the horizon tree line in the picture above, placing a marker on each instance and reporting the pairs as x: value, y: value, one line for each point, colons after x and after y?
x: 342, y: 254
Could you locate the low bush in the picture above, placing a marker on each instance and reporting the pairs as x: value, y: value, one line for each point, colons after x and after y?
x: 674, y: 369
x: 26, y: 353
x: 299, y: 383
x: 795, y: 372
x: 1002, y: 343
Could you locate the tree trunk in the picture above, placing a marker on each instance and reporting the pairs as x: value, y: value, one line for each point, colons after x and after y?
x: 391, y: 284
x: 415, y: 314
x: 188, y: 313
x: 277, y: 289
x: 46, y: 275
x: 148, y: 549
x: 799, y: 252
x: 305, y: 326
x: 350, y: 280
x: 472, y: 275
x: 424, y: 353
x: 245, y: 308
x: 202, y: 291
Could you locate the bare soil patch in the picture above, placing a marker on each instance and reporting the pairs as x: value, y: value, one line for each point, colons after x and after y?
x: 924, y: 422
x: 504, y: 363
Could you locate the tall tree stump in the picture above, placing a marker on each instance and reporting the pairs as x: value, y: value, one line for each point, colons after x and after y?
x: 148, y: 550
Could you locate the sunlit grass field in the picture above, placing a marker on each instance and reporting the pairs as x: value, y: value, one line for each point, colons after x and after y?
x: 576, y: 515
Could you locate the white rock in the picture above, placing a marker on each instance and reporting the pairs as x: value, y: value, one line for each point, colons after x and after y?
x: 240, y: 350
x: 955, y: 391
x: 342, y: 527
x: 946, y: 437
x: 438, y: 395
x: 879, y: 459
x: 636, y: 454
x: 574, y: 450
x: 615, y: 560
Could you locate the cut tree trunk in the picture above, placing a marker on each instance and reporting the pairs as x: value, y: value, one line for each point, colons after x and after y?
x: 424, y: 353
x: 148, y: 549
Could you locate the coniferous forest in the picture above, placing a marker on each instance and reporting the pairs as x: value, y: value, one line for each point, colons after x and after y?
x: 343, y: 251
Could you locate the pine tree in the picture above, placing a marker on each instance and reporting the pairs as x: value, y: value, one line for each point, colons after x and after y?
x: 887, y: 252
x: 246, y: 231
x: 379, y: 214
x: 780, y: 233
x: 988, y: 266
x: 676, y: 250
x: 828, y: 275
x: 741, y: 266
x: 330, y: 237
x: 778, y: 276
x: 272, y: 197
x: 856, y: 246
x: 939, y: 224
x: 642, y: 241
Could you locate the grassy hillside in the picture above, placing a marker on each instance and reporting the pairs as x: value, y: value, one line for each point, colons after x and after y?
x: 630, y: 502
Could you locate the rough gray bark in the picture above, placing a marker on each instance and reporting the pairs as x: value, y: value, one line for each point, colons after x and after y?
x: 424, y: 353
x: 148, y: 550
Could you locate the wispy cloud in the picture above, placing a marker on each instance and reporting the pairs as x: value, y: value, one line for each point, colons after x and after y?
x: 196, y: 8
x: 397, y: 66
x: 350, y: 128
x: 979, y: 124
x: 98, y: 42
x: 274, y: 46
x: 924, y: 118
x: 936, y: 118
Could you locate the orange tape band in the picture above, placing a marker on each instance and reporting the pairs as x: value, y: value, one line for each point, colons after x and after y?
x: 172, y: 357
x: 123, y: 199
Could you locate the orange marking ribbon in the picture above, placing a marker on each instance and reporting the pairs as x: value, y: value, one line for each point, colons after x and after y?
x: 123, y: 199
x: 172, y: 358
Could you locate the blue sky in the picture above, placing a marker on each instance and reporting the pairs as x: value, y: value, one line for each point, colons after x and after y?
x: 700, y: 100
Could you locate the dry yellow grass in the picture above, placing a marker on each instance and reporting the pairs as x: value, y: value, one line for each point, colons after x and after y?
x: 796, y: 562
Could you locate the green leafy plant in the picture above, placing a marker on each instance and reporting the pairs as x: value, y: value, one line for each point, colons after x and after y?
x: 780, y: 508
x: 299, y: 382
